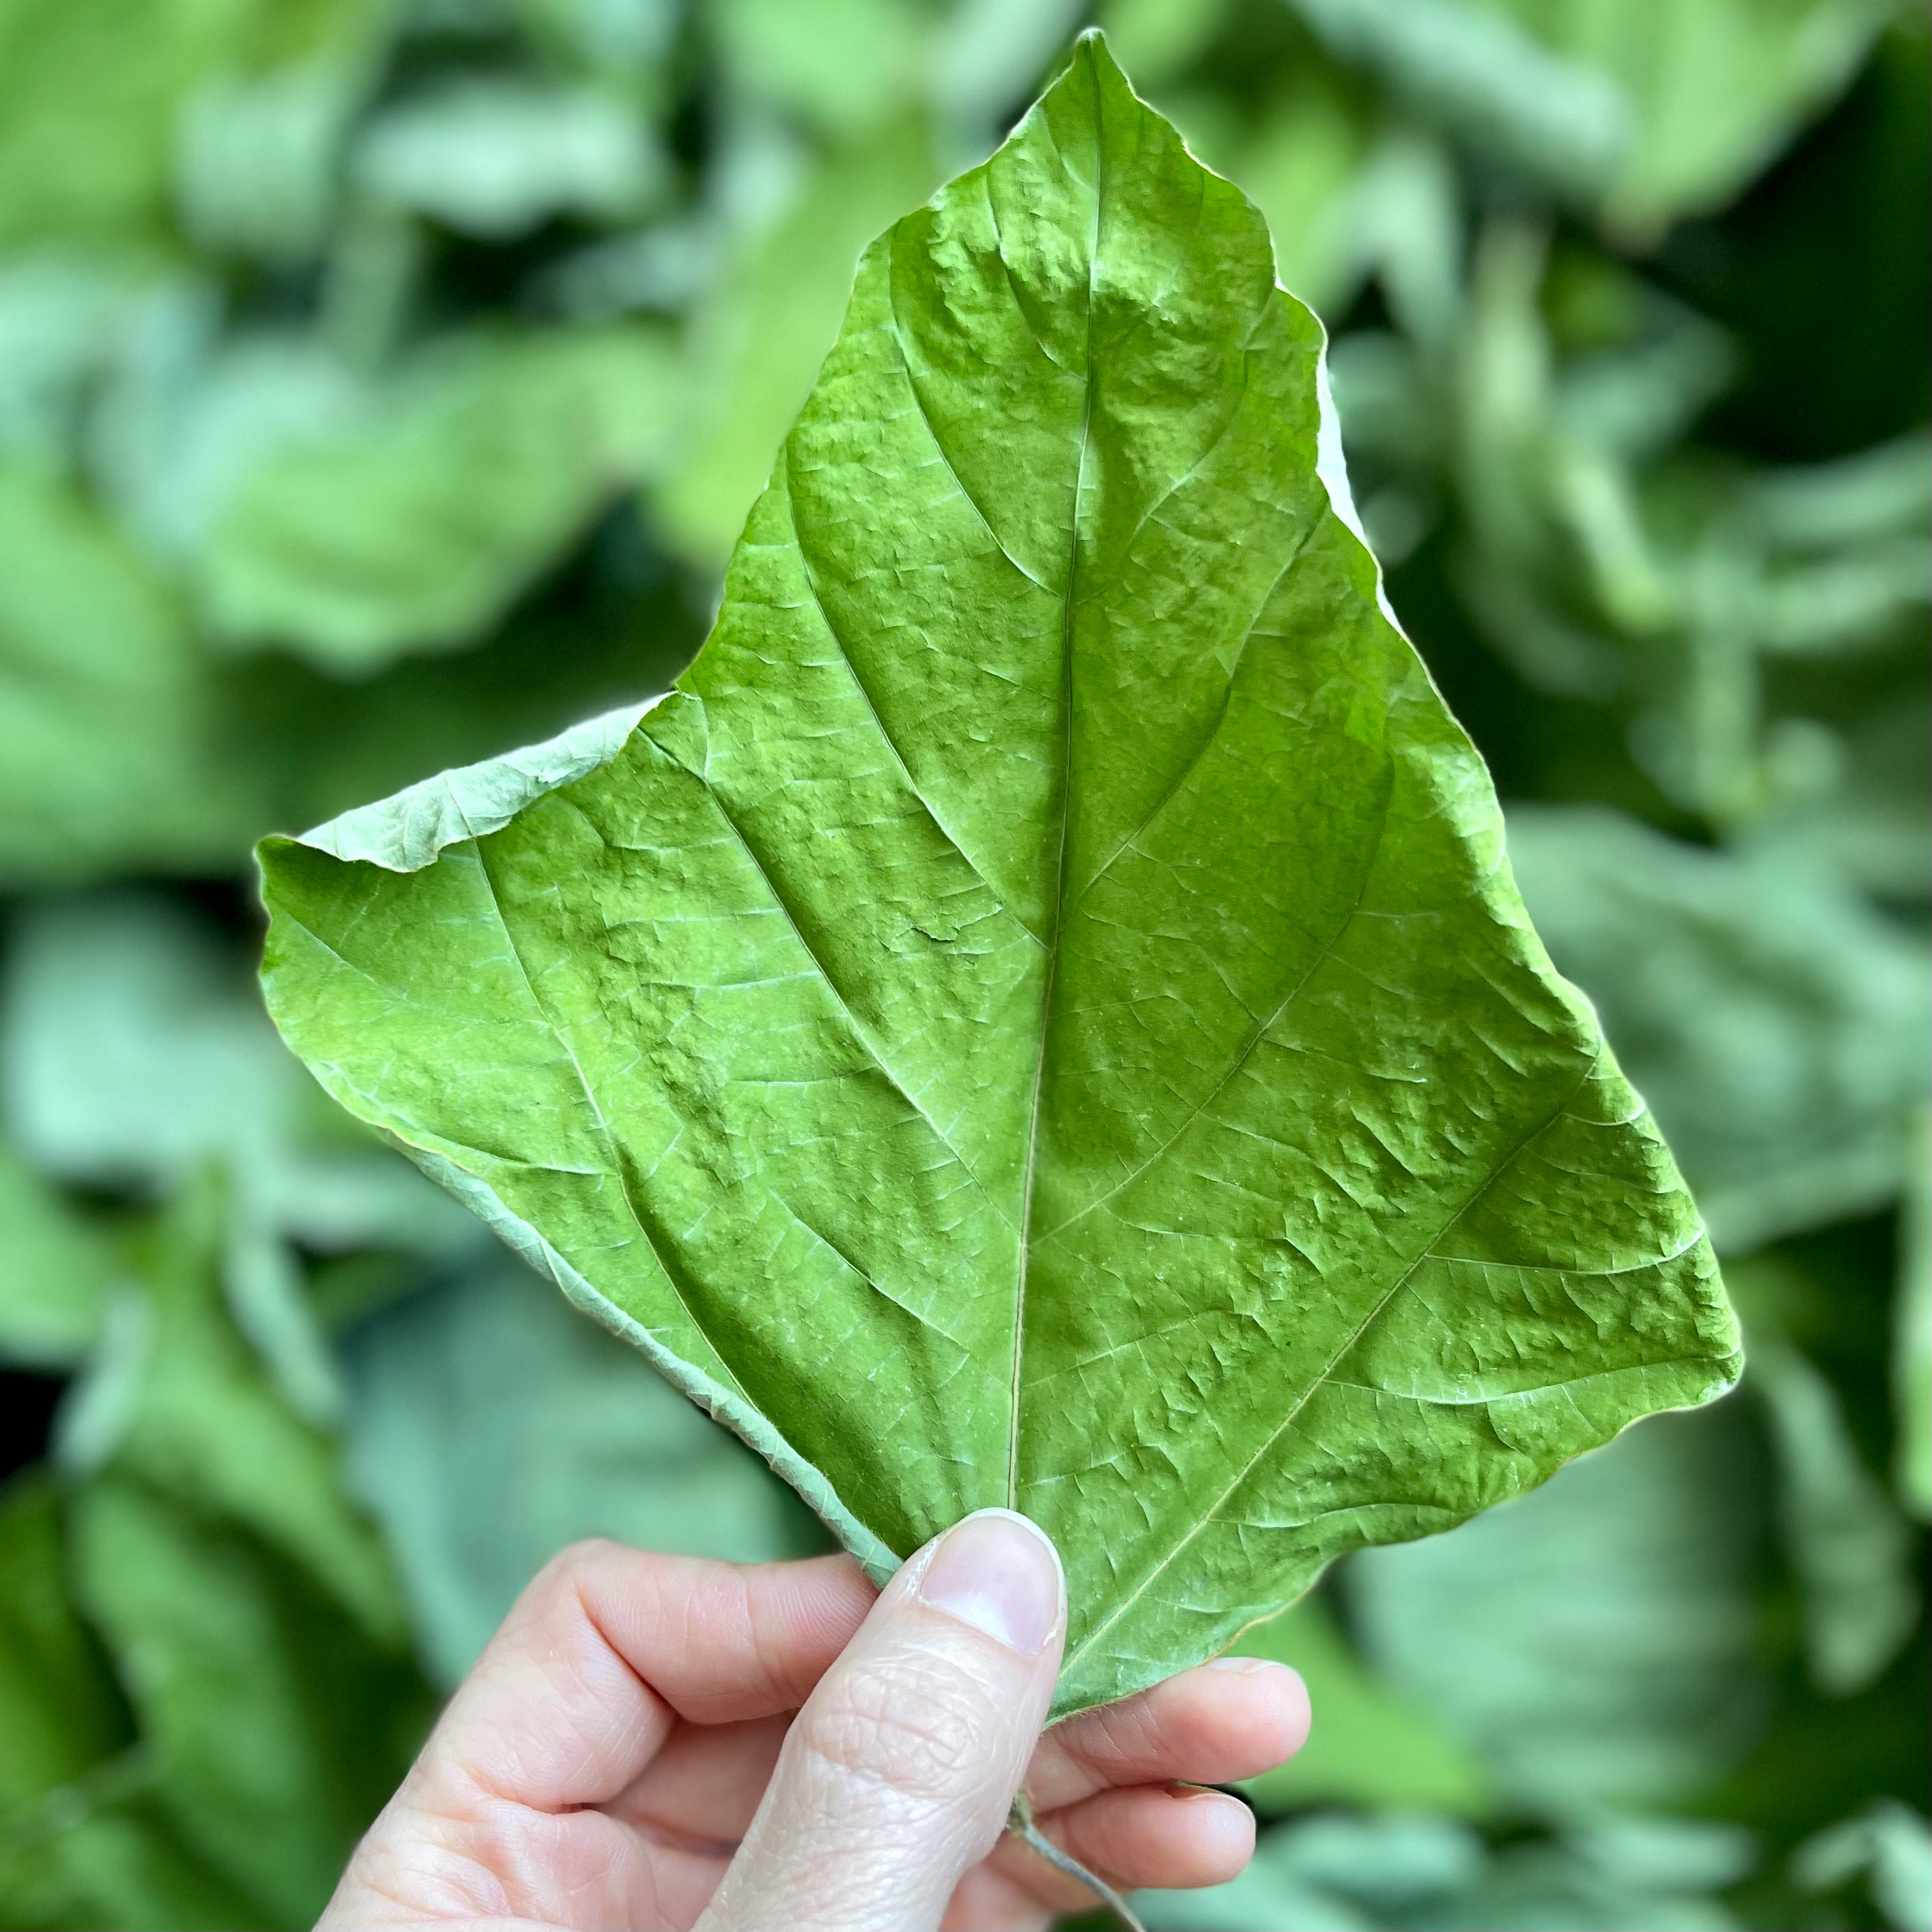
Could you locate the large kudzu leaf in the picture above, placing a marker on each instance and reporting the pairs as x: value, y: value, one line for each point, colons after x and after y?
x: 1040, y: 1014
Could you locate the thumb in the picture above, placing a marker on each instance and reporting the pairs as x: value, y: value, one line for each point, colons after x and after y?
x: 897, y: 1776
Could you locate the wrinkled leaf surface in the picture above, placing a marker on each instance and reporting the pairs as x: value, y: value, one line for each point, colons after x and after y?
x: 1040, y: 1015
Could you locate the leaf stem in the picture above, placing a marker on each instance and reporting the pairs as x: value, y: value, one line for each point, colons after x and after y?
x: 1019, y: 1822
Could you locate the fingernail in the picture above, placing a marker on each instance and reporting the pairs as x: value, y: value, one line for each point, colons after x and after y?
x: 997, y: 1572
x: 1248, y: 1667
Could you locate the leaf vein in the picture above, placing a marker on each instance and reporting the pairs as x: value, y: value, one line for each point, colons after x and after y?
x: 859, y: 1031
x: 1315, y: 1387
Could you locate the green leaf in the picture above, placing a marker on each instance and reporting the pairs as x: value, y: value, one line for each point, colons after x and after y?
x: 177, y: 1398
x: 1912, y: 1329
x: 1040, y: 1015
x: 1778, y: 1023
x: 273, y: 1729
x: 494, y: 158
x: 55, y: 1271
x: 490, y: 1425
x: 756, y: 341
x: 59, y: 1711
x: 1593, y: 1643
x: 108, y: 724
x: 417, y: 527
x: 1369, y: 1746
x: 1302, y: 145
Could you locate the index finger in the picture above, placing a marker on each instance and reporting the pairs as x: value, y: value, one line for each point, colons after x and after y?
x: 608, y: 1647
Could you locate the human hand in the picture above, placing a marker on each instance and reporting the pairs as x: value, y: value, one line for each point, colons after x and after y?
x: 661, y: 1741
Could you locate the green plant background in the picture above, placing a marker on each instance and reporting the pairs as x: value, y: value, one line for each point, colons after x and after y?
x: 381, y: 386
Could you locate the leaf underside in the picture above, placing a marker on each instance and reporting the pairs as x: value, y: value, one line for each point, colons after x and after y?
x: 1039, y: 1015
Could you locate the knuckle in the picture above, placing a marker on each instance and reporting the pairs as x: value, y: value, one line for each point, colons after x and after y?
x: 723, y: 1604
x: 922, y: 1736
x: 576, y: 1560
x: 559, y: 1588
x: 1116, y: 1737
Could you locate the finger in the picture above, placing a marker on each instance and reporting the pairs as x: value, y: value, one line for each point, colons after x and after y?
x: 721, y: 1642
x: 607, y: 1646
x: 899, y: 1771
x: 1235, y: 1718
x: 1172, y: 1836
x: 704, y: 1785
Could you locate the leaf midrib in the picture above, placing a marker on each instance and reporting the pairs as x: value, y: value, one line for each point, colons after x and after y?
x: 1029, y: 1183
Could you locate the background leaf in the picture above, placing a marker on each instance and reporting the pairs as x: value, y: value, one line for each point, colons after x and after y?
x: 490, y: 1425
x: 1592, y: 1641
x: 1642, y: 451
x: 1768, y: 1014
x: 55, y: 1273
x: 273, y: 1729
x: 1371, y: 1747
x: 109, y: 720
x: 413, y: 535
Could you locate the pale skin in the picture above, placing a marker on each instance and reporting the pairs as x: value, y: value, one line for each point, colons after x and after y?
x: 657, y: 1742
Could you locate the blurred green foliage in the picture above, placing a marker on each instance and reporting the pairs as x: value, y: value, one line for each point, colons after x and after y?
x: 381, y: 384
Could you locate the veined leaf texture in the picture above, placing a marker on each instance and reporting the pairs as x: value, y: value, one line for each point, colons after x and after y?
x: 1039, y: 1014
